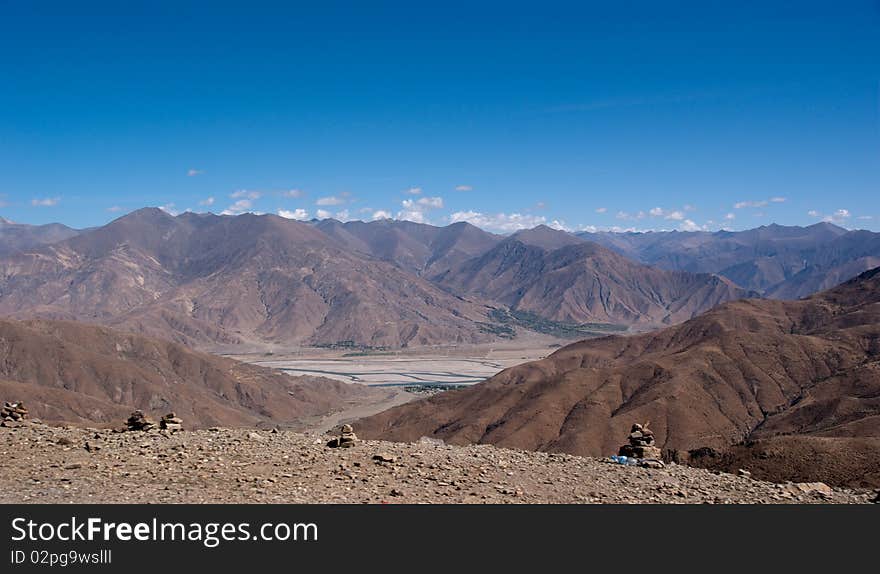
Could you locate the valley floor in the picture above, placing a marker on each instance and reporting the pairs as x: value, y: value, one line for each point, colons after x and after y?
x: 45, y: 464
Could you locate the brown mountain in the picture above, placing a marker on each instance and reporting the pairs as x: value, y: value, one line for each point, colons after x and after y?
x: 20, y: 236
x: 67, y: 371
x: 754, y: 372
x: 422, y: 249
x: 560, y: 277
x: 783, y: 262
x: 207, y: 279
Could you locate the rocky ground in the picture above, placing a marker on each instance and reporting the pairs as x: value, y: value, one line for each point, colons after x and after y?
x: 45, y: 464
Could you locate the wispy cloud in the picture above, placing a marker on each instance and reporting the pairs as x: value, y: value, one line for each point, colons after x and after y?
x: 114, y: 209
x: 293, y: 193
x: 381, y: 214
x: 414, y: 191
x: 463, y: 188
x: 169, y: 209
x: 207, y: 201
x: 601, y: 209
x: 331, y: 200
x: 840, y: 216
x: 45, y: 202
x: 759, y: 203
x: 246, y: 194
x: 194, y: 172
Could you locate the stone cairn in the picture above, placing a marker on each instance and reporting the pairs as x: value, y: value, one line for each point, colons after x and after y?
x: 13, y: 412
x: 171, y: 422
x: 139, y: 422
x: 346, y: 438
x: 641, y: 444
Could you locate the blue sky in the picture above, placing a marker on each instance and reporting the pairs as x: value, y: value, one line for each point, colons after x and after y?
x: 645, y: 115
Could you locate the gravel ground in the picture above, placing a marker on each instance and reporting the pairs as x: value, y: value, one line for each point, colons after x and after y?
x: 45, y: 464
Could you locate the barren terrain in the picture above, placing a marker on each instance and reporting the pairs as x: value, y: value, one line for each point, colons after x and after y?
x: 44, y: 464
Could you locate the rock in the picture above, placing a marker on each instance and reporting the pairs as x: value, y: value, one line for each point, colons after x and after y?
x: 13, y: 412
x: 652, y: 463
x: 139, y: 422
x: 171, y: 422
x: 384, y: 457
x: 256, y: 436
x: 810, y: 488
x: 346, y: 438
x: 744, y: 473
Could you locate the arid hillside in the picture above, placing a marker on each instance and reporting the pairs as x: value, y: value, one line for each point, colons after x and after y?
x: 748, y: 370
x: 72, y: 372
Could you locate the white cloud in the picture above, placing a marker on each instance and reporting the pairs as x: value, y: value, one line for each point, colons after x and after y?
x: 323, y: 214
x: 416, y: 209
x: 208, y: 201
x: 689, y: 207
x: 45, y: 202
x: 330, y: 200
x: 381, y: 214
x: 742, y: 204
x: 675, y: 215
x: 114, y: 209
x: 689, y: 225
x: 169, y: 209
x: 730, y: 216
x: 839, y: 217
x: 865, y: 217
x: 541, y: 205
x: 601, y: 209
x: 656, y: 211
x: 463, y: 188
x: 194, y: 172
x: 500, y: 221
x: 299, y: 214
x: 431, y: 202
x: 294, y: 193
x: 246, y: 194
x: 414, y: 191
x: 627, y: 216
x: 343, y: 215
x: 240, y: 206
x: 778, y: 200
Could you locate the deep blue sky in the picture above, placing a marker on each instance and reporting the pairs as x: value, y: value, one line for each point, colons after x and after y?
x: 704, y: 112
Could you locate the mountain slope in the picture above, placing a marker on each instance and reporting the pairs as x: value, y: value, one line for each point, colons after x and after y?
x: 582, y: 282
x: 747, y: 370
x: 206, y: 279
x: 67, y: 371
x: 415, y: 247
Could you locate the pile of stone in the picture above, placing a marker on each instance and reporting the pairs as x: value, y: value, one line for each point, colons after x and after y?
x: 346, y: 438
x: 13, y: 412
x: 640, y: 444
x: 139, y: 422
x: 171, y: 422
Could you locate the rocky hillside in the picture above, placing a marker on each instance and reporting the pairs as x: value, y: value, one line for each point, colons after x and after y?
x: 72, y: 372
x: 746, y: 371
x: 43, y: 464
x: 557, y: 276
x: 203, y: 279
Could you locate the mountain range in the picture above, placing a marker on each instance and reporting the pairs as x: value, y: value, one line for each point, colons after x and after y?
x: 782, y: 262
x: 753, y: 372
x: 249, y: 281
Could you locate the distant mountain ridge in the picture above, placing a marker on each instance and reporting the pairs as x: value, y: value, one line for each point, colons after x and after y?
x: 250, y: 281
x: 782, y: 262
